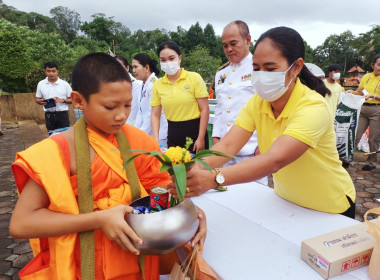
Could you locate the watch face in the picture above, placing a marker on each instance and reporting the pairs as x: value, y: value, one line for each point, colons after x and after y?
x: 220, y: 178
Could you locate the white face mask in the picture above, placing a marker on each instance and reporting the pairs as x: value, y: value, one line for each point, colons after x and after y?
x: 336, y: 76
x: 270, y: 86
x: 170, y: 67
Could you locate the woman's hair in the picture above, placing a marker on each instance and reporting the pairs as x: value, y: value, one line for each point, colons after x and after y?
x: 145, y: 59
x: 169, y: 45
x: 373, y: 60
x: 123, y: 60
x: 292, y: 47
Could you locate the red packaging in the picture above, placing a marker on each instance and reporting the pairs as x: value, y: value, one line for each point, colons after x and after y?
x: 159, y: 198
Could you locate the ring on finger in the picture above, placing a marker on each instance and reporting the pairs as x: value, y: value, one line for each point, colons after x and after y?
x: 187, y: 189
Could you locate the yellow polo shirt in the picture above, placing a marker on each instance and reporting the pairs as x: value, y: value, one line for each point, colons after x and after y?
x: 336, y: 90
x: 371, y: 83
x: 317, y: 179
x: 179, y: 100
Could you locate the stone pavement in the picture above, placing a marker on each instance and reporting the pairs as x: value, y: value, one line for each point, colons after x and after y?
x: 15, y: 254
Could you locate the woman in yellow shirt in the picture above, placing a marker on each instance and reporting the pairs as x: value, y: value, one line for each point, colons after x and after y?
x: 295, y: 132
x: 183, y: 97
x: 370, y: 111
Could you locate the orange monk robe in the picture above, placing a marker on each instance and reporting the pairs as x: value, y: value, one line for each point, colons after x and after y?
x: 48, y: 164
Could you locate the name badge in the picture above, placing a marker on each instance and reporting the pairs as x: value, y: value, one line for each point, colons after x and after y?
x: 246, y: 77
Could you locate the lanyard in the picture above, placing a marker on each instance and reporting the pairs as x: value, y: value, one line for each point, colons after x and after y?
x: 377, y: 86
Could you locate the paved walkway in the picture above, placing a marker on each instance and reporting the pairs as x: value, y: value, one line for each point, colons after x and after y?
x: 15, y: 254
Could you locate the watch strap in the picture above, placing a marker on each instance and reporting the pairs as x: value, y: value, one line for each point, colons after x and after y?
x: 220, y: 187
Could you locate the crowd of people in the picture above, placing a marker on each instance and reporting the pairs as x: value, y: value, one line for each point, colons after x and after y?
x: 272, y: 114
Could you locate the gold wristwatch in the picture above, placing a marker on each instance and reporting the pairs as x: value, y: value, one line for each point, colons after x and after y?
x: 220, y: 179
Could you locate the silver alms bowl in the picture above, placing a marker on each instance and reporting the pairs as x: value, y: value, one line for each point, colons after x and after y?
x: 163, y: 232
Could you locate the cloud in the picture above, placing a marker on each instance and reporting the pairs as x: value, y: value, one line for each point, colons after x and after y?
x: 315, y: 20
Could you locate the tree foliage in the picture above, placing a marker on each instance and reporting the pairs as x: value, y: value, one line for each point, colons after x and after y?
x: 41, y: 38
x: 67, y: 21
x: 34, y: 77
x: 199, y: 60
x: 368, y: 45
x: 14, y: 62
x: 105, y: 29
x: 337, y: 49
x: 194, y: 37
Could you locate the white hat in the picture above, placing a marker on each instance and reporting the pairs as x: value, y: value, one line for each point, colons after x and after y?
x: 315, y: 70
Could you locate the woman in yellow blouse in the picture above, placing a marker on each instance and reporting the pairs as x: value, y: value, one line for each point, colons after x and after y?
x: 370, y: 111
x: 295, y: 132
x: 183, y: 97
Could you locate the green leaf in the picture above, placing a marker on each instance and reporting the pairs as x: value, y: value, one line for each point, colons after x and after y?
x: 207, y: 153
x: 167, y: 159
x: 174, y: 201
x: 180, y: 179
x: 131, y: 159
x: 164, y: 167
x: 163, y: 162
x: 157, y: 154
x: 222, y: 188
x: 205, y: 164
x: 141, y: 152
x: 189, y: 164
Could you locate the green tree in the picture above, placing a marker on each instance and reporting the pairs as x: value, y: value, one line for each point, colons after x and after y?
x: 309, y: 53
x: 40, y: 22
x: 368, y: 45
x: 32, y: 20
x: 220, y: 52
x: 90, y: 45
x: 42, y: 47
x: 194, y: 37
x: 34, y: 76
x: 199, y: 60
x: 105, y: 29
x: 49, y: 47
x: 14, y: 62
x: 68, y: 22
x: 155, y: 38
x: 337, y: 49
x: 11, y: 14
x: 210, y: 39
x: 178, y: 36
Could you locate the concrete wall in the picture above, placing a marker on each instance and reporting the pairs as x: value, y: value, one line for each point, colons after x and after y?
x: 22, y: 106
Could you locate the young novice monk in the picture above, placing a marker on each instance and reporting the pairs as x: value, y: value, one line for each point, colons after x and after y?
x: 46, y: 178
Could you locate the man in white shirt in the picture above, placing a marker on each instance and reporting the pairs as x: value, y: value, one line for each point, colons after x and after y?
x: 233, y: 87
x: 54, y: 94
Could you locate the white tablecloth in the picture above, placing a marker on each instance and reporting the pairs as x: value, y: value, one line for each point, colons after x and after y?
x: 255, y: 234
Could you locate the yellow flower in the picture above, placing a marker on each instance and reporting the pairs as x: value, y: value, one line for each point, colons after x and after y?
x: 177, y: 153
x: 187, y: 157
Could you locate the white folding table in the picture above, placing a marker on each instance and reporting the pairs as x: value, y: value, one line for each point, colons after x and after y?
x: 255, y: 234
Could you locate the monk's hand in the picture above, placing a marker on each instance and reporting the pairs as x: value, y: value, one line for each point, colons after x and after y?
x: 200, y: 236
x: 113, y: 224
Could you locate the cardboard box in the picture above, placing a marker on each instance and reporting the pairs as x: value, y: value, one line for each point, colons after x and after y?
x: 340, y: 251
